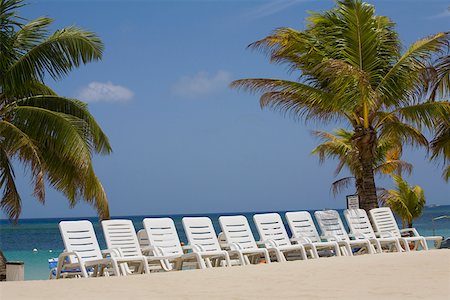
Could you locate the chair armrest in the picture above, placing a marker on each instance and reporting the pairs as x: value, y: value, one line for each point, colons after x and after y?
x: 113, y: 252
x: 357, y: 236
x: 412, y: 230
x: 62, y: 257
x: 224, y: 246
x: 157, y: 251
x: 385, y: 234
x: 234, y: 246
x: 330, y: 238
x: 265, y: 243
x: 197, y: 248
x: 301, y: 240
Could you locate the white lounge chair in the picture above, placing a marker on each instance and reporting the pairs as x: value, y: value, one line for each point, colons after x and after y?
x: 333, y: 229
x: 240, y: 238
x: 359, y: 224
x: 82, y: 255
x: 383, y: 221
x: 120, y: 235
x: 274, y: 237
x: 304, y: 232
x: 202, y: 239
x: 165, y: 244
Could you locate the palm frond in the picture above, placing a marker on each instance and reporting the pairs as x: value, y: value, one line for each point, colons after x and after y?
x: 425, y: 113
x: 92, y: 131
x: 446, y: 173
x: 31, y: 34
x: 440, y: 145
x: 11, y: 202
x: 57, y: 55
x: 402, y: 133
x: 53, y: 129
x: 399, y: 83
x: 341, y: 184
x: 17, y: 144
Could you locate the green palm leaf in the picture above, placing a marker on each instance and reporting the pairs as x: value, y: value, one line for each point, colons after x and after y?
x: 57, y: 55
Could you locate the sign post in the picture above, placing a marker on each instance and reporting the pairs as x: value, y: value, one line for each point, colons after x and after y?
x: 352, y: 201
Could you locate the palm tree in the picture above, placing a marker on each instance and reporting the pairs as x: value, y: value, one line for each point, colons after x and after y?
x: 338, y: 145
x: 352, y: 70
x: 437, y: 81
x: 51, y: 135
x: 406, y: 201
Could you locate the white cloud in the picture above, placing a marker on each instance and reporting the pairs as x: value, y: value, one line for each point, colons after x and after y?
x: 201, y: 84
x: 273, y: 7
x: 105, y: 92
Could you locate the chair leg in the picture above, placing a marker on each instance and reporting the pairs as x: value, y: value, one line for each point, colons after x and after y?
x: 303, y: 253
x: 267, y: 256
x: 83, y: 270
x: 116, y: 267
x: 200, y: 261
x: 227, y: 259
x: 347, y: 250
x: 313, y: 251
x: 145, y: 267
x: 337, y: 251
x: 279, y: 255
x: 208, y: 262
x: 247, y: 261
x: 424, y: 244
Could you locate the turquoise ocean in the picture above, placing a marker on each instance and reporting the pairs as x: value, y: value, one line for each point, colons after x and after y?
x: 18, y: 241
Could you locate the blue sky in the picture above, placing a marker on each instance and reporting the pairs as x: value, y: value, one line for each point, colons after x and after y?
x: 183, y: 141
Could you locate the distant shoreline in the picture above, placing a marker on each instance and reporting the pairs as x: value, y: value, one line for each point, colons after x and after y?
x: 3, y: 221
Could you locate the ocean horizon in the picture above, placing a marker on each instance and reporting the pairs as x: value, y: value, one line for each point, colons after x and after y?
x: 35, y: 240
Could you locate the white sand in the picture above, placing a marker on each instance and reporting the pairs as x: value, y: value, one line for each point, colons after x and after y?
x: 414, y: 275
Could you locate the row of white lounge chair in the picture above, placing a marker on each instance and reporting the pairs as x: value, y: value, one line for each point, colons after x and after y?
x: 158, y: 244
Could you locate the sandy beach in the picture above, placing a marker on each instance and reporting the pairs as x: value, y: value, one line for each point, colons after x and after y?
x: 414, y: 275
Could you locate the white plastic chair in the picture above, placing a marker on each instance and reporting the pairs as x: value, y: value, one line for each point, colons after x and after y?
x: 383, y: 221
x: 82, y: 252
x: 240, y: 238
x: 359, y: 224
x: 304, y: 232
x: 274, y: 237
x: 202, y: 239
x: 165, y: 244
x: 120, y: 235
x: 333, y: 229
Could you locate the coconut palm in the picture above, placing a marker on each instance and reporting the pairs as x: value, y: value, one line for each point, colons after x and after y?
x: 406, y: 201
x: 338, y: 145
x: 51, y: 135
x: 352, y: 70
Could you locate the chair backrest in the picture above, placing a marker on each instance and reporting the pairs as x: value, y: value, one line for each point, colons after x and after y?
x: 143, y: 238
x: 237, y: 231
x: 359, y: 222
x: 79, y: 236
x: 120, y: 234
x: 271, y: 227
x: 162, y: 233
x: 302, y: 225
x: 331, y: 224
x: 383, y: 221
x: 200, y: 232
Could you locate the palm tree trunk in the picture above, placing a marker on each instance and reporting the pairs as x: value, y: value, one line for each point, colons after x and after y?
x: 359, y: 185
x: 2, y: 266
x: 365, y: 141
